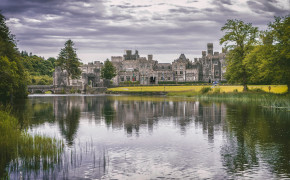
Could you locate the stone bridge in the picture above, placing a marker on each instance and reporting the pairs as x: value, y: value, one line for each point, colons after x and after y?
x: 41, y: 89
x: 32, y: 89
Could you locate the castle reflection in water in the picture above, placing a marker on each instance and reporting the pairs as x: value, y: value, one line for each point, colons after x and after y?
x: 135, y: 113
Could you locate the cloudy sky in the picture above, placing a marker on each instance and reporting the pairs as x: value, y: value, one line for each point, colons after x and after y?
x: 100, y: 28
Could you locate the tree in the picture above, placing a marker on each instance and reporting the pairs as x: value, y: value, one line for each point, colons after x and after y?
x: 261, y: 62
x: 240, y: 39
x: 269, y: 63
x: 68, y: 60
x: 13, y: 77
x: 280, y: 29
x: 108, y: 71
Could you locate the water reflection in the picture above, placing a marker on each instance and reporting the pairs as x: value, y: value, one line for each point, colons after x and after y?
x: 256, y: 137
x: 189, y: 138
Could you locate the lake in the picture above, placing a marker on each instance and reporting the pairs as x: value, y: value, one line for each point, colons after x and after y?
x: 135, y: 137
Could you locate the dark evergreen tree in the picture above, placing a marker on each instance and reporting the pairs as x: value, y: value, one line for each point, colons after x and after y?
x: 68, y: 60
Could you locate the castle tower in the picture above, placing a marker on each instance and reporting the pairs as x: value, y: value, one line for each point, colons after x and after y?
x: 150, y: 57
x: 210, y: 48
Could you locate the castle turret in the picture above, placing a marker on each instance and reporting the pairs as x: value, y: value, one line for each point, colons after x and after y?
x: 210, y: 48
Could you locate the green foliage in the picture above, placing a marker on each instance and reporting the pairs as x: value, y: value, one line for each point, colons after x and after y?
x: 36, y: 65
x: 68, y: 60
x: 129, y: 82
x: 72, y: 91
x: 13, y: 77
x: 240, y: 38
x: 108, y: 71
x: 40, y: 80
x: 205, y: 90
x: 269, y: 63
x: 280, y: 29
x: 261, y: 65
x: 21, y: 149
x: 217, y: 90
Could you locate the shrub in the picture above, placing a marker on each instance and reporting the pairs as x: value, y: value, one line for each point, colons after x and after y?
x: 235, y: 91
x: 62, y: 91
x: 205, y: 90
x: 217, y: 90
x: 72, y: 91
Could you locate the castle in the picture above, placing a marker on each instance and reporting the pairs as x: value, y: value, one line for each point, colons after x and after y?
x: 133, y: 68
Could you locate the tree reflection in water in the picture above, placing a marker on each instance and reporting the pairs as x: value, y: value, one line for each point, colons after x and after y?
x: 256, y: 136
x: 251, y: 136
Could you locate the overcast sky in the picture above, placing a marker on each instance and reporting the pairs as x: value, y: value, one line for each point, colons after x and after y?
x: 100, y: 28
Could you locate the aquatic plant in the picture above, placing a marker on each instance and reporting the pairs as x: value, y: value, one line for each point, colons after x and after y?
x: 20, y: 151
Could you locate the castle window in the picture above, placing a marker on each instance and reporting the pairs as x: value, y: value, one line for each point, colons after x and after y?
x: 175, y: 72
x: 128, y: 78
x: 216, y: 73
x: 162, y: 67
x: 181, y: 72
x: 168, y: 78
x: 122, y: 78
x: 169, y: 67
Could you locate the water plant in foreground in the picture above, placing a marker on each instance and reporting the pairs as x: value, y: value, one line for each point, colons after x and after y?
x: 20, y: 151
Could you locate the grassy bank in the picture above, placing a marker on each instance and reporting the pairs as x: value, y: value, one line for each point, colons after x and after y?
x: 21, y: 151
x: 273, y: 97
x: 257, y: 96
x: 278, y: 89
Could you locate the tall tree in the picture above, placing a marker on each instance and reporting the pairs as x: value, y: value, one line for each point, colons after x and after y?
x: 280, y: 29
x: 261, y: 62
x: 108, y: 71
x: 240, y: 39
x: 13, y: 83
x: 269, y: 63
x: 68, y: 60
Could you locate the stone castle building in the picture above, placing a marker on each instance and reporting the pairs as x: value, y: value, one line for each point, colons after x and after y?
x: 145, y: 70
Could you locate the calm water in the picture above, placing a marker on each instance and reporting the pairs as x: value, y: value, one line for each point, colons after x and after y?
x: 125, y: 137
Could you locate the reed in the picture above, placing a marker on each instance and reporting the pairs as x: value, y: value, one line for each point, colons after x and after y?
x: 20, y: 150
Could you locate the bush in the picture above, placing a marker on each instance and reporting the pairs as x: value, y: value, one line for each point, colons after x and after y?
x: 72, y: 91
x: 217, y: 90
x: 205, y: 90
x: 235, y: 91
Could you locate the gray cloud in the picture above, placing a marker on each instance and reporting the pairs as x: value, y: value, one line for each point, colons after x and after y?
x: 264, y: 6
x: 43, y: 26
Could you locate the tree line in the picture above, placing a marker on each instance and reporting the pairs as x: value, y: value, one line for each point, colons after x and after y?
x: 257, y: 57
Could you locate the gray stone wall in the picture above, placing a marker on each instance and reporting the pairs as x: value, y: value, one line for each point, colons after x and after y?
x: 131, y: 67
